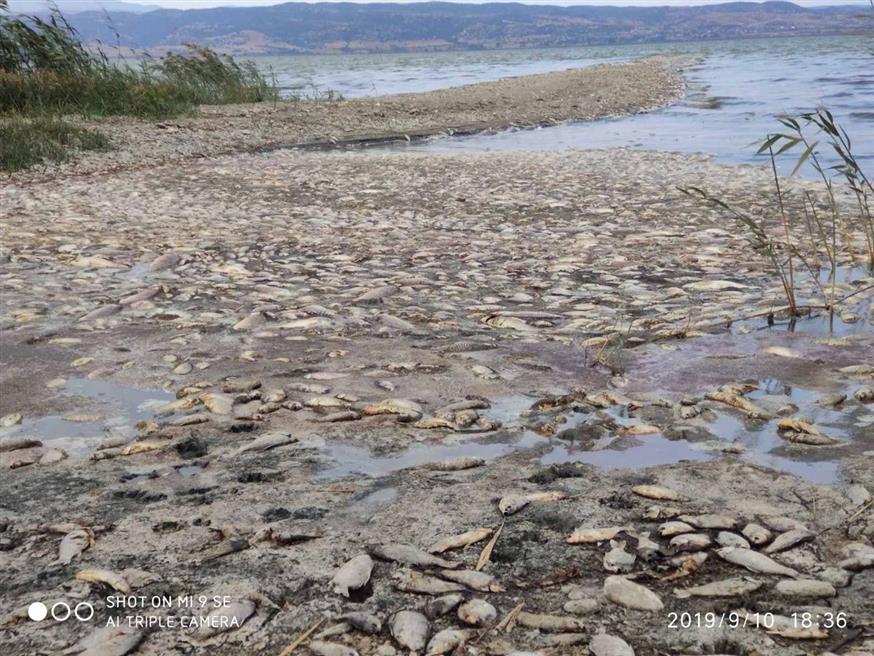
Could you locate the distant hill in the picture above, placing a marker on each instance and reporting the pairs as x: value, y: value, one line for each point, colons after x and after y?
x: 32, y: 7
x: 379, y: 27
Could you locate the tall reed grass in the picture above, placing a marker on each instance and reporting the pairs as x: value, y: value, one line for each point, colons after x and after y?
x: 46, y: 71
x: 827, y: 220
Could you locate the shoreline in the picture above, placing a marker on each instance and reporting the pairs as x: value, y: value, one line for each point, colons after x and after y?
x: 582, y: 94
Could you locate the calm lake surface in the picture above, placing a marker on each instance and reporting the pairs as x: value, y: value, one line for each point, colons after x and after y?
x: 732, y: 100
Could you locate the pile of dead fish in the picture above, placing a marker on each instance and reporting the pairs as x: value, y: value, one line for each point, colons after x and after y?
x: 673, y: 550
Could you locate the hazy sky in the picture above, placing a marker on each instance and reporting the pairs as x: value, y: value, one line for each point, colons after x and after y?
x: 190, y: 4
x: 187, y: 4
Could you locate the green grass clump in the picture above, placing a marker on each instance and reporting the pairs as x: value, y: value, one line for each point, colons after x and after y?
x: 46, y: 71
x: 44, y: 67
x: 26, y: 142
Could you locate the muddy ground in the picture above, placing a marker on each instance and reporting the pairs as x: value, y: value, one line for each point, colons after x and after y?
x: 239, y: 374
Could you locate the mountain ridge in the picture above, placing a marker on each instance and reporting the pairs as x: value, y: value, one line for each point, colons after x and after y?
x: 303, y: 28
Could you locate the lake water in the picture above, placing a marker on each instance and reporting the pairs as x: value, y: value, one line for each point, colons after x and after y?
x: 732, y: 100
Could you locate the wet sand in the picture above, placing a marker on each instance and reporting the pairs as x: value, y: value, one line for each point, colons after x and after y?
x: 242, y: 372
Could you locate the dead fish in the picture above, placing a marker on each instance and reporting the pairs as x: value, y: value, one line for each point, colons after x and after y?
x: 686, y: 565
x: 364, y: 622
x: 73, y: 544
x: 398, y: 324
x: 102, y: 312
x: 410, y: 629
x: 325, y: 402
x: 711, y: 521
x: 477, y: 612
x: 460, y: 541
x: 864, y: 394
x: 324, y: 648
x: 756, y: 533
x: 507, y: 323
x: 805, y: 588
x: 334, y: 417
x: 218, y: 403
x: 728, y: 539
x: 18, y: 444
x: 691, y: 541
x: 446, y: 641
x: 859, y: 556
x: 755, y: 562
x: 472, y: 579
x: 552, y: 623
x: 448, y: 411
x: 109, y: 641
x: 547, y: 496
x: 165, y: 261
x: 512, y: 503
x: 482, y: 371
x: 604, y: 644
x: 104, y: 577
x: 669, y: 529
x: 225, y: 618
x: 734, y: 587
x: 140, y: 296
x: 250, y: 322
x: 661, y: 512
x: 625, y: 592
x: 655, y: 492
x: 584, y: 535
x: 266, y: 442
x: 376, y: 295
x: 232, y: 545
x: 642, y: 429
x: 647, y: 548
x: 405, y: 409
x: 730, y: 396
x: 407, y: 580
x: 442, y: 605
x: 782, y: 352
x: 142, y: 446
x: 781, y: 524
x: 799, y: 431
x: 789, y: 539
x: 617, y: 559
x: 96, y: 262
x: 409, y: 555
x: 309, y: 388
x: 352, y: 575
x: 434, y: 422
x: 456, y: 464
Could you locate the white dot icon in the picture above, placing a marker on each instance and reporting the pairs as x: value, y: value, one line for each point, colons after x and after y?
x: 37, y: 611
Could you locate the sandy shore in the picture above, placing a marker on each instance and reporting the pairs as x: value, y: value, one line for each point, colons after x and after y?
x: 231, y: 376
x: 528, y: 101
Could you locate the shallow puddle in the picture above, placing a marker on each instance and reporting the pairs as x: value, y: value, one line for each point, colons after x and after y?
x: 348, y: 460
x: 598, y: 438
x: 111, y: 409
x: 628, y: 453
x: 852, y: 280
